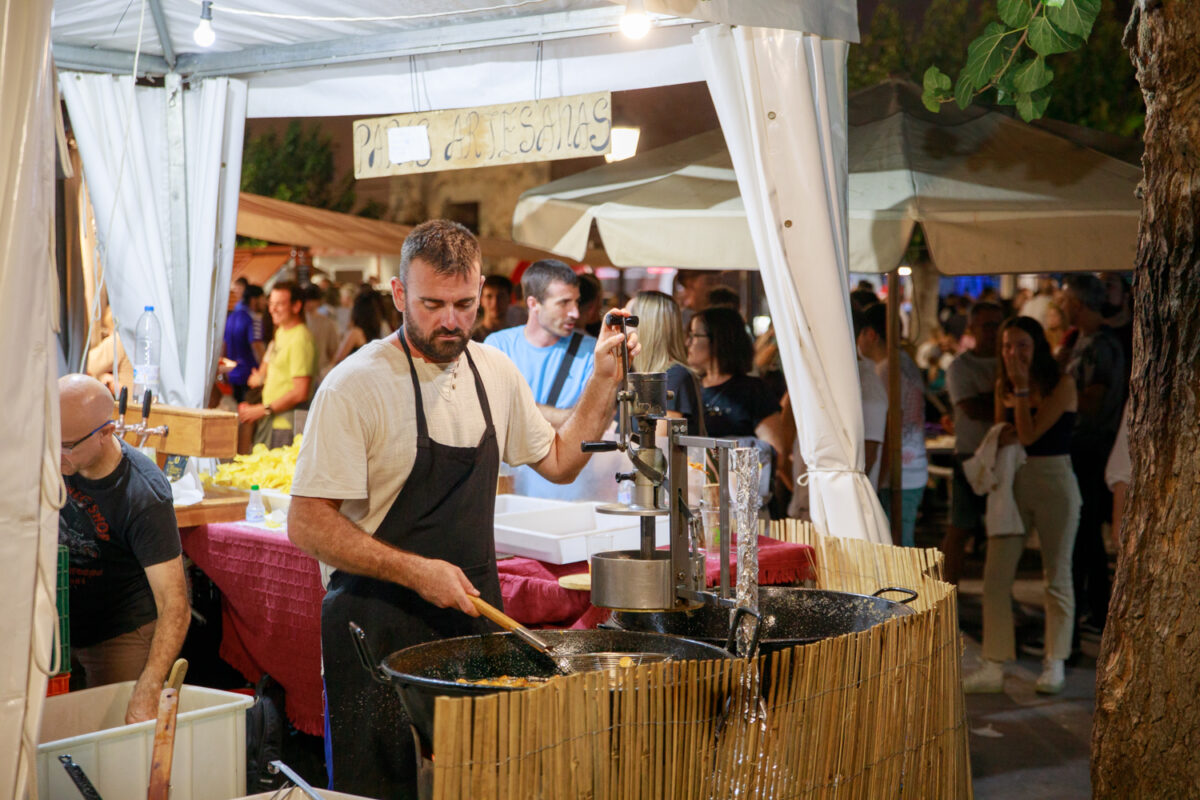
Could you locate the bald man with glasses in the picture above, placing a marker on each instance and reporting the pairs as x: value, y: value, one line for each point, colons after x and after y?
x: 129, y: 607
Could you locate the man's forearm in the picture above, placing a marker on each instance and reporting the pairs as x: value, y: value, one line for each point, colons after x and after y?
x: 169, y: 632
x: 318, y: 528
x: 587, y: 422
x: 288, y: 400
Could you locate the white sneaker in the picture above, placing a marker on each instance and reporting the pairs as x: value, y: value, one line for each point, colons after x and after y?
x: 988, y: 679
x: 1053, y: 677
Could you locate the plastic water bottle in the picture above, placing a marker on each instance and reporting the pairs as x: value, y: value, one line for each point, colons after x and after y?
x: 255, y: 512
x: 147, y: 351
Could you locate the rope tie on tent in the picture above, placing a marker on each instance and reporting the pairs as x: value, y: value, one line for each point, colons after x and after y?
x: 802, y: 479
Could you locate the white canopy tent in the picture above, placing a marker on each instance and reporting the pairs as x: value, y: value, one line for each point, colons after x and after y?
x: 173, y: 240
x: 991, y: 193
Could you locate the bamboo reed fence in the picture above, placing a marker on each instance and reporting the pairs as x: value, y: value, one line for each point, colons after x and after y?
x: 877, y: 714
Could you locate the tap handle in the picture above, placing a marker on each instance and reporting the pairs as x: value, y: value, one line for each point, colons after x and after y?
x: 147, y: 399
x: 123, y: 401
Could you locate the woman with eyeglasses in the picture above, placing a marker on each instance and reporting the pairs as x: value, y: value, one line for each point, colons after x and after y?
x: 736, y: 404
x: 660, y: 331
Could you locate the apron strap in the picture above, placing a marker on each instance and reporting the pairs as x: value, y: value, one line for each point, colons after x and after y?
x: 422, y: 427
x: 484, y: 405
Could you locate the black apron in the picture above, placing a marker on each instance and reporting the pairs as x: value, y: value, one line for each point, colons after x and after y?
x: 444, y: 511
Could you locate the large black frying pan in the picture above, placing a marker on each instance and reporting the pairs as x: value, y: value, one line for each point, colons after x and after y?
x: 423, y: 672
x: 790, y: 616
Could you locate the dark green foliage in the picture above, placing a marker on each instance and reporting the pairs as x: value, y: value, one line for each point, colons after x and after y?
x: 298, y: 168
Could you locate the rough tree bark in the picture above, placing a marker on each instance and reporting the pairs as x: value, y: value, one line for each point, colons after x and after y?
x: 1146, y: 734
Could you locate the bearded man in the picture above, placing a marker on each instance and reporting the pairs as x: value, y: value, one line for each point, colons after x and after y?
x: 395, y: 486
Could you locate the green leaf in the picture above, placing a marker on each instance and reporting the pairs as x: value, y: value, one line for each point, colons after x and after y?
x: 1031, y: 75
x: 1016, y: 13
x: 1046, y: 39
x: 1005, y: 98
x: 1074, y: 16
x: 1032, y: 105
x: 936, y: 80
x: 985, y: 56
x: 936, y: 89
x: 963, y: 92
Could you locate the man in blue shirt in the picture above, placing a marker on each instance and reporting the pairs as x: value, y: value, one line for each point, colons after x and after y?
x: 555, y: 358
x: 243, y: 341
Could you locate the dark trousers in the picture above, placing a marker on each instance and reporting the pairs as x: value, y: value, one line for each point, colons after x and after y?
x: 1090, y: 563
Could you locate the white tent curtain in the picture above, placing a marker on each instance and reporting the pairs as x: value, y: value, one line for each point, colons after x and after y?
x: 781, y: 99
x: 123, y: 141
x: 29, y: 362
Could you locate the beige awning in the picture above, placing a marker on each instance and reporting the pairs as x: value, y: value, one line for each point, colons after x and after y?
x: 992, y: 193
x: 298, y: 225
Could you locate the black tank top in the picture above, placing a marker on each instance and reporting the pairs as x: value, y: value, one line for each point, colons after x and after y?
x: 1054, y: 442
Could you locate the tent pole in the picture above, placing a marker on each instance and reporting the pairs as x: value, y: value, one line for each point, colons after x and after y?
x: 894, y: 419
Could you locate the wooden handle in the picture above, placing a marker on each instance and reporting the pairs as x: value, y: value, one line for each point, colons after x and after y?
x: 178, y: 670
x: 164, y: 746
x: 496, y: 615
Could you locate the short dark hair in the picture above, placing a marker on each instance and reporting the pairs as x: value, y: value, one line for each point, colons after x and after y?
x: 446, y: 246
x: 590, y: 289
x: 857, y: 320
x: 875, y: 318
x: 292, y: 288
x: 728, y: 341
x: 723, y: 296
x: 982, y: 307
x: 1088, y: 289
x: 252, y: 291
x: 540, y: 274
x: 313, y: 292
x: 863, y: 299
x: 499, y: 283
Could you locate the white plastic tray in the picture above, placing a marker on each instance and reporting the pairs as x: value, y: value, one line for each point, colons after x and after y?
x: 559, y: 535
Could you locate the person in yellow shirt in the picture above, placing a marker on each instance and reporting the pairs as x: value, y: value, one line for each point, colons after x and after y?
x: 286, y: 375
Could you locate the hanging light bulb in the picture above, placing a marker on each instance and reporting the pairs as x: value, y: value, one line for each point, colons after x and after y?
x: 204, y: 35
x: 634, y: 22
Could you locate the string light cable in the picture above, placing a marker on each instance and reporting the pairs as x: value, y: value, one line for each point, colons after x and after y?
x: 229, y: 9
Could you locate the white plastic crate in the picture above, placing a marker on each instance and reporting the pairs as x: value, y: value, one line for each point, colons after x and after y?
x: 559, y: 535
x: 210, y: 744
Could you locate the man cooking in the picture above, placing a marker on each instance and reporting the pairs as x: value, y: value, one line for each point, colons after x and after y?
x: 395, y: 488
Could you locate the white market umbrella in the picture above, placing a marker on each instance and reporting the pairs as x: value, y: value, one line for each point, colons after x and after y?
x: 993, y: 195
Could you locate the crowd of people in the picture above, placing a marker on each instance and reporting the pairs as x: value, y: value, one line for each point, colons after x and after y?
x: 1046, y: 370
x: 415, y: 413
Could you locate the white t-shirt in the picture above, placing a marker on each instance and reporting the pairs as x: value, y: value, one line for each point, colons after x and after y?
x: 360, y: 438
x: 969, y: 375
x: 875, y: 406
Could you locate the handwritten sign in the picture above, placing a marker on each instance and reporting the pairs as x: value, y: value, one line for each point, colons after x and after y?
x: 514, y: 133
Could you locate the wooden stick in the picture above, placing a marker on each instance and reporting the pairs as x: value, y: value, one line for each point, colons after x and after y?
x: 164, y: 745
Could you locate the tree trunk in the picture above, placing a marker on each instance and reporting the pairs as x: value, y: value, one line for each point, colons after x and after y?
x: 1147, y: 724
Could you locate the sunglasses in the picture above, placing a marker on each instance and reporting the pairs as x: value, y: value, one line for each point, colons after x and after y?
x: 69, y: 446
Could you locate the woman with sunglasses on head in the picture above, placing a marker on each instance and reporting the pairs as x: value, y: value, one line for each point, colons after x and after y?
x: 1038, y: 401
x: 736, y: 404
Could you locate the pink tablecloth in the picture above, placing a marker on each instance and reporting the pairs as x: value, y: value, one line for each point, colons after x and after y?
x: 272, y: 602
